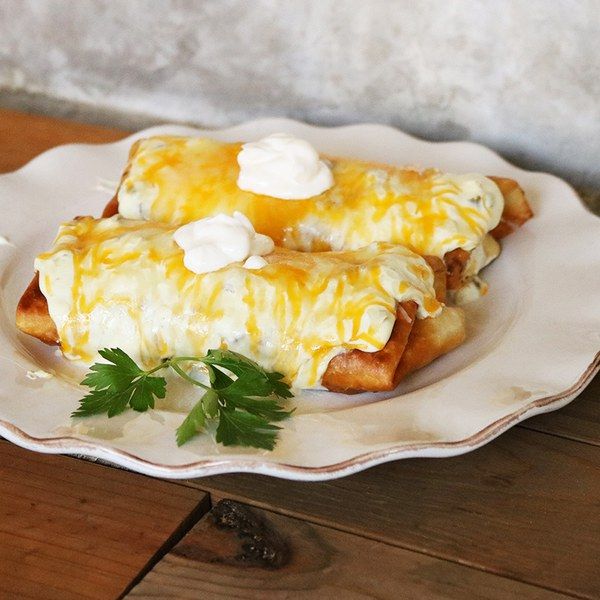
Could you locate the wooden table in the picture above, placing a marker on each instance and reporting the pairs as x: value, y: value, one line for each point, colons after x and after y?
x: 518, y: 518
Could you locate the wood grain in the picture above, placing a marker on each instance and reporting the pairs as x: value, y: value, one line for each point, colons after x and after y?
x: 239, y: 552
x: 579, y: 420
x: 73, y: 529
x: 24, y: 136
x: 525, y: 506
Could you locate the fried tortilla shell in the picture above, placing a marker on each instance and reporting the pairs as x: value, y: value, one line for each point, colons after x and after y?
x: 357, y: 371
x: 412, y: 346
x: 33, y: 317
x: 516, y: 208
x: 430, y: 339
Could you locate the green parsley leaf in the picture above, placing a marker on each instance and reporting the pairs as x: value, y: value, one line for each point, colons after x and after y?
x: 145, y: 390
x: 243, y: 367
x: 240, y: 428
x: 243, y: 398
x: 101, y: 401
x: 116, y: 374
x: 265, y: 408
x: 119, y: 384
x: 196, y: 419
x: 218, y: 379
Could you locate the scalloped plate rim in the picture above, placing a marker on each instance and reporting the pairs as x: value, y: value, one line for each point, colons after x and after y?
x: 74, y: 445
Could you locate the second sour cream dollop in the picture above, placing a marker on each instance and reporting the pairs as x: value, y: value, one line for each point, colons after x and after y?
x: 215, y: 242
x: 283, y: 166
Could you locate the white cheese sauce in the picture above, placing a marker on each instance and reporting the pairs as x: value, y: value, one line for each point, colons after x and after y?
x: 115, y: 282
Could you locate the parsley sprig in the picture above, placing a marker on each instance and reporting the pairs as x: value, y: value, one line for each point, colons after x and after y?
x: 242, y: 398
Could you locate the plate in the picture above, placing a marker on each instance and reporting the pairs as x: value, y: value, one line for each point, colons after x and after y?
x: 532, y: 342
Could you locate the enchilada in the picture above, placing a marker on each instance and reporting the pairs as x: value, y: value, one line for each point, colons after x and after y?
x: 456, y: 217
x: 339, y: 320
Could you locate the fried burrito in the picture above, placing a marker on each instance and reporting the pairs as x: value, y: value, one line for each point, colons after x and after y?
x: 347, y: 321
x: 458, y: 218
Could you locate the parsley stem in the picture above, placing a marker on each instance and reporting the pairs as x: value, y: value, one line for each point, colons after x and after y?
x: 183, y: 374
x: 163, y: 365
x: 178, y: 359
x: 245, y: 413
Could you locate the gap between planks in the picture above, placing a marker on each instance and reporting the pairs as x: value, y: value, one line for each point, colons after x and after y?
x: 188, y: 523
x: 218, y: 492
x: 70, y: 529
x: 520, y: 498
x: 236, y: 550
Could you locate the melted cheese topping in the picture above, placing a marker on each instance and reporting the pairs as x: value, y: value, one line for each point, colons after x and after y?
x: 114, y: 282
x: 179, y: 179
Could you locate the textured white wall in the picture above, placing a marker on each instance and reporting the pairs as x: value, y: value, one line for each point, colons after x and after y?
x: 522, y: 76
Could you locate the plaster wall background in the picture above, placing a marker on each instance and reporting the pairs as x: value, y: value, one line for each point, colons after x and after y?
x: 522, y: 76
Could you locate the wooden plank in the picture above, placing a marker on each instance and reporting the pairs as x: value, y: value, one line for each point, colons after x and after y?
x: 579, y: 420
x: 525, y: 506
x: 73, y: 529
x: 236, y: 551
x: 24, y: 136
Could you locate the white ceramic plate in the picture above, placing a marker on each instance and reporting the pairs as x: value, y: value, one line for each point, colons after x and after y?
x: 532, y: 347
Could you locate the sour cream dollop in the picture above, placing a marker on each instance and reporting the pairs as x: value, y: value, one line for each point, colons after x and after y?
x: 215, y: 242
x: 283, y: 166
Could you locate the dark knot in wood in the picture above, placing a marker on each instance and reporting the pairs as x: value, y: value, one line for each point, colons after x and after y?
x: 262, y: 545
